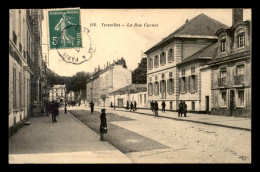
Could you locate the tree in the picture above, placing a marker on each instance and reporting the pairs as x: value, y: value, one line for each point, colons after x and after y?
x: 139, y: 74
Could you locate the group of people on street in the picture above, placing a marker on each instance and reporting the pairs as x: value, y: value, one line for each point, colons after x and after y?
x: 182, y: 109
x: 54, y: 110
x: 155, y: 108
x: 132, y: 106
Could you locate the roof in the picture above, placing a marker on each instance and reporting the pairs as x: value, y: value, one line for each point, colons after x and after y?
x: 207, y: 53
x: 134, y: 88
x: 200, y: 26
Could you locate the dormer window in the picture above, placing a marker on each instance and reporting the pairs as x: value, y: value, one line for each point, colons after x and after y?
x: 241, y: 40
x: 223, y: 45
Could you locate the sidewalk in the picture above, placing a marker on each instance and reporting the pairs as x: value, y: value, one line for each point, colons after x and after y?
x: 222, y: 121
x: 67, y: 141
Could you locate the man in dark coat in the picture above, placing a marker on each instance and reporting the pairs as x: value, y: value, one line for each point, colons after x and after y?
x: 92, y: 106
x: 152, y: 106
x: 103, y: 124
x: 135, y: 106
x: 156, y: 108
x: 131, y: 106
x: 184, y: 108
x: 180, y: 109
x: 127, y: 105
x: 163, y: 106
x: 54, y: 111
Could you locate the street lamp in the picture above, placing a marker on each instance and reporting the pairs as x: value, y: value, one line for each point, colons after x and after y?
x: 65, y: 102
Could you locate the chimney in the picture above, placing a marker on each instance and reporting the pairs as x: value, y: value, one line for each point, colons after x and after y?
x: 187, y: 20
x: 237, y: 15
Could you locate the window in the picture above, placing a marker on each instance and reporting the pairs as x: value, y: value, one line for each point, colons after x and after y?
x: 162, y: 58
x: 170, y: 55
x: 20, y: 89
x: 141, y: 98
x: 183, y: 84
x: 193, y: 106
x: 14, y: 38
x: 240, y: 69
x: 144, y: 98
x: 150, y: 89
x: 170, y: 86
x: 150, y: 79
x: 156, y: 61
x: 183, y: 72
x: 14, y: 87
x: 223, y: 77
x: 223, y: 45
x: 223, y: 98
x: 162, y: 75
x: 156, y: 88
x: 150, y: 63
x: 241, y: 40
x: 192, y: 69
x: 170, y: 74
x: 239, y: 78
x: 240, y: 97
x: 156, y: 78
x: 193, y: 83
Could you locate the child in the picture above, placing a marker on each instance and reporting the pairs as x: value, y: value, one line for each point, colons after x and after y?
x: 103, y: 124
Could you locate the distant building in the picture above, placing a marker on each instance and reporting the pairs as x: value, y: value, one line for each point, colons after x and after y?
x: 70, y: 97
x: 57, y: 93
x: 105, y: 81
x: 231, y: 69
x: 165, y: 81
x: 134, y: 92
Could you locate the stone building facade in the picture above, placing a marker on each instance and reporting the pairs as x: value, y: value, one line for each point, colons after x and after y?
x: 22, y: 59
x: 57, y: 93
x: 231, y: 70
x: 163, y: 74
x: 107, y: 80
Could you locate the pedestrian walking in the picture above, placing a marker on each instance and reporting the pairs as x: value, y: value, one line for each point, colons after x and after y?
x: 42, y: 111
x: 152, y: 106
x: 103, y: 124
x: 92, y: 106
x: 57, y: 105
x: 53, y: 111
x: 180, y: 112
x: 156, y: 108
x: 131, y: 107
x: 111, y: 105
x: 135, y: 104
x: 163, y: 106
x: 127, y: 105
x: 184, y: 108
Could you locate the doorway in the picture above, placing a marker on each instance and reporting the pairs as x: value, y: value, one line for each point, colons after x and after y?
x: 120, y: 103
x: 232, y: 102
x: 207, y: 104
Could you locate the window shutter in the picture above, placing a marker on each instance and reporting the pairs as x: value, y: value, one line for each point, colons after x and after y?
x: 189, y: 84
x: 179, y: 85
x: 196, y: 83
x: 168, y: 84
x: 186, y: 84
x: 172, y: 86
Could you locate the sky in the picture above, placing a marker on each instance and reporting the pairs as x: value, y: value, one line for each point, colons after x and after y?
x: 112, y: 43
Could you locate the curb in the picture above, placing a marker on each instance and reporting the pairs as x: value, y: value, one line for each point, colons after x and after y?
x: 206, y: 123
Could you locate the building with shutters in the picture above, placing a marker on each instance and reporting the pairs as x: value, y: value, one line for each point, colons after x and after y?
x: 195, y: 80
x: 24, y: 37
x: 165, y: 81
x: 231, y: 69
x: 107, y: 80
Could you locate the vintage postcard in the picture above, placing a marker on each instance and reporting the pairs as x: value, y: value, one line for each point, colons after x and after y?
x: 130, y: 86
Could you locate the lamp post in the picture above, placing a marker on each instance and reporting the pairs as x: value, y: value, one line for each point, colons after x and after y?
x: 65, y: 102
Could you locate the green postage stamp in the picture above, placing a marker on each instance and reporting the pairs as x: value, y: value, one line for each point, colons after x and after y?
x: 64, y: 29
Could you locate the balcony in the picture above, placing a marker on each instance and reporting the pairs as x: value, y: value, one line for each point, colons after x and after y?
x: 239, y: 79
x: 222, y: 82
